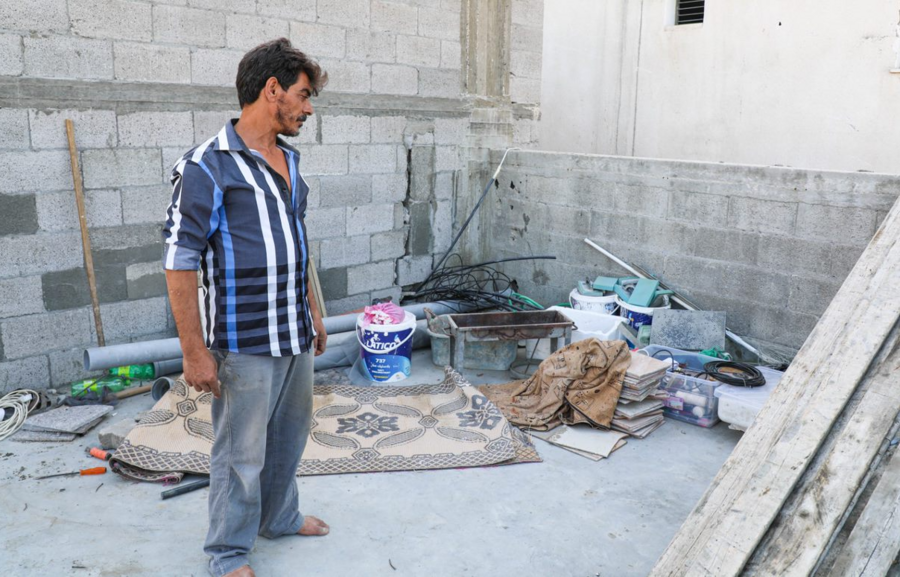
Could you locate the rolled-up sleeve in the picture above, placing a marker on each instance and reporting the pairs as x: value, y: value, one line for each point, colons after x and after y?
x: 192, y: 216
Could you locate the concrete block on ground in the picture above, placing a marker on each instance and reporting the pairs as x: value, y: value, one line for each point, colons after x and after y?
x: 418, y: 51
x: 188, y: 26
x: 68, y: 289
x: 121, y: 167
x: 345, y: 251
x: 333, y: 282
x: 323, y: 159
x: 137, y: 62
x: 35, y: 254
x: 129, y: 319
x: 12, y: 62
x: 395, y: 79
x: 413, y: 269
x: 525, y: 90
x: 56, y: 211
x: 14, y: 128
x: 844, y: 225
x: 368, y: 277
x: 35, y: 171
x: 351, y: 13
x: 394, y: 17
x: 389, y: 188
x: 68, y: 57
x: 112, y: 435
x: 36, y: 16
x: 146, y: 204
x: 120, y: 19
x: 36, y: 334
x: 439, y: 82
x: 31, y: 373
x: 290, y: 9
x: 437, y: 23
x: 388, y: 245
x: 345, y: 129
x: 324, y: 223
x: 370, y: 218
x: 19, y: 214
x: 20, y: 296
x: 371, y: 46
x: 320, y: 40
x: 373, y: 159
x: 215, y: 67
x: 347, y: 76
x: 688, y: 330
x: 156, y: 129
x: 764, y: 216
x: 245, y: 31
x: 93, y: 128
x: 451, y: 54
x: 145, y: 280
x: 345, y: 191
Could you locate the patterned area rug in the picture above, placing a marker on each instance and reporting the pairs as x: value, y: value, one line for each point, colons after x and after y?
x: 354, y: 430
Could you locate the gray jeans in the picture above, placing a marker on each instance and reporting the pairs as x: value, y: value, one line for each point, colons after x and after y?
x: 261, y: 423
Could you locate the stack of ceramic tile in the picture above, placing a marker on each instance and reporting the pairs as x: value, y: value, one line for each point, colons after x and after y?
x: 639, y: 419
x: 62, y: 424
x: 595, y: 444
x: 643, y: 377
x: 638, y: 412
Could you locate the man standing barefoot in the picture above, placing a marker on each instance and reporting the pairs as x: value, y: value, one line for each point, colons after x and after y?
x: 237, y: 214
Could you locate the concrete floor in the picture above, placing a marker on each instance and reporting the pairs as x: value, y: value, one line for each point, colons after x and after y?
x: 567, y: 516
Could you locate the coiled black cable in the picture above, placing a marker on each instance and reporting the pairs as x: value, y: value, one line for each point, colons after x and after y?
x: 737, y: 374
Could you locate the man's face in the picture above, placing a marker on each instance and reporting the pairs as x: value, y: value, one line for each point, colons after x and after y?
x: 294, y: 106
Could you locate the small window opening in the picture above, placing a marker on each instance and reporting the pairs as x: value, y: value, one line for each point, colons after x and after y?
x: 689, y: 11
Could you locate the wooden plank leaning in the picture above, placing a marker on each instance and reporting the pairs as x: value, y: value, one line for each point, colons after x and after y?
x: 875, y: 540
x: 744, y: 499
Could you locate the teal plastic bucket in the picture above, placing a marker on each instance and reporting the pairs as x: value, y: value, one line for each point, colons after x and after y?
x: 386, y: 350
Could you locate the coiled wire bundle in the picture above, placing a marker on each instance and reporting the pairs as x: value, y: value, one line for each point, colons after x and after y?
x: 21, y: 402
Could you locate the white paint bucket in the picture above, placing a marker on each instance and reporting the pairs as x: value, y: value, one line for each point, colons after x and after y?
x: 606, y: 304
x: 640, y: 316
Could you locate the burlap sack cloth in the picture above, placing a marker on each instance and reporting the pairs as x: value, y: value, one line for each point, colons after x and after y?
x: 579, y: 383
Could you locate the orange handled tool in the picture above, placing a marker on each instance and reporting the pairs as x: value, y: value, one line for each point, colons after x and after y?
x: 99, y: 453
x: 94, y: 471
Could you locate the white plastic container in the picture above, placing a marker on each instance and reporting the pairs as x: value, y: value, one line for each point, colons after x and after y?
x: 738, y: 406
x: 589, y: 325
x: 605, y: 304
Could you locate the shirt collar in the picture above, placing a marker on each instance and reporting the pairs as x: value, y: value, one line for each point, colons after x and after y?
x: 228, y: 140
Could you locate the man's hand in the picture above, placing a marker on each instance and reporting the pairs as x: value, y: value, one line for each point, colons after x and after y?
x: 321, y: 335
x: 201, y: 372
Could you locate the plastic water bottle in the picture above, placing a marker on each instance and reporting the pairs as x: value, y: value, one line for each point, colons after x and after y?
x: 114, y: 384
x: 140, y: 372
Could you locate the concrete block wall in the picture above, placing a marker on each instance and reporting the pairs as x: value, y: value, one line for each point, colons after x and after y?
x: 145, y: 80
x: 768, y: 245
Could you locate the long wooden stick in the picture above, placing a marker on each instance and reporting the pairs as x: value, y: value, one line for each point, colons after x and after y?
x: 85, y: 237
x: 317, y: 288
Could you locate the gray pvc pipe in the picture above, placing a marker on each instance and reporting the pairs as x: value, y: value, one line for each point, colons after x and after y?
x: 100, y: 358
x: 163, y: 368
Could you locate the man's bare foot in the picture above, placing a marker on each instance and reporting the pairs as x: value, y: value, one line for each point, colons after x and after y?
x: 313, y: 527
x: 244, y: 571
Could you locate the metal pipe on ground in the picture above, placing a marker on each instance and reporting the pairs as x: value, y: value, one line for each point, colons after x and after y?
x: 99, y: 358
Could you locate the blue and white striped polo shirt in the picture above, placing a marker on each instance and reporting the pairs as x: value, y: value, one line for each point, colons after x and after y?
x: 235, y: 218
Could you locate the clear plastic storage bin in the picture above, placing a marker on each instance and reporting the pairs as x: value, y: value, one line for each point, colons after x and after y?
x: 738, y: 406
x: 687, y: 399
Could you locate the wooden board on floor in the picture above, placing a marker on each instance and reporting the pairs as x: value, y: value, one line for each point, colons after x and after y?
x: 746, y: 497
